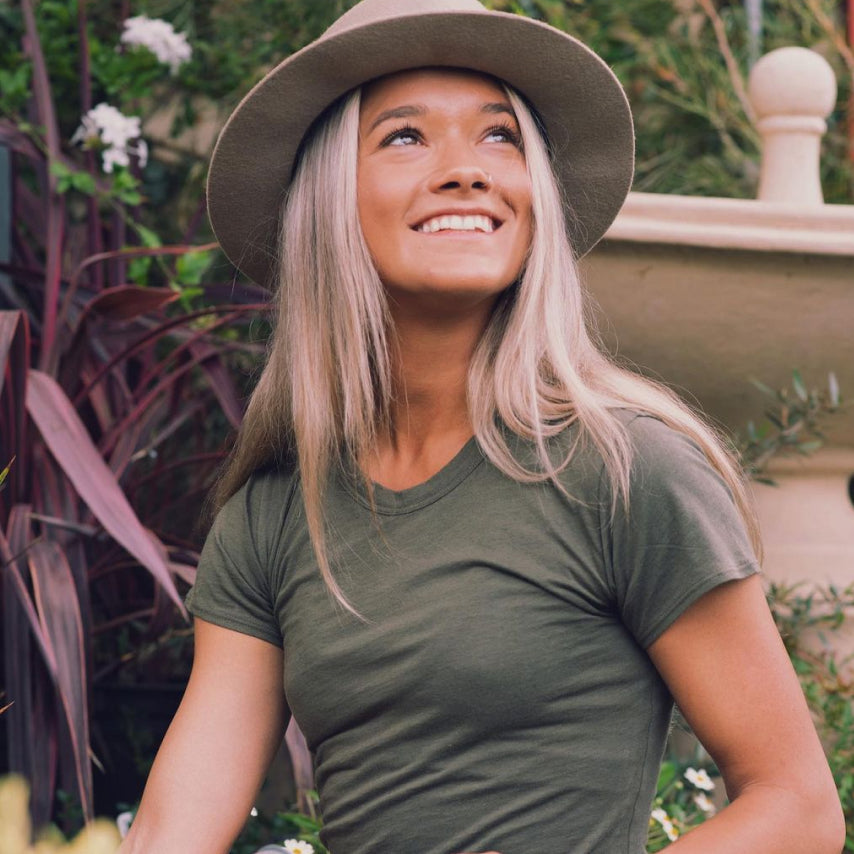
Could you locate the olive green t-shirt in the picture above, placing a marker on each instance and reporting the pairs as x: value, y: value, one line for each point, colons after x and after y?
x: 497, y: 694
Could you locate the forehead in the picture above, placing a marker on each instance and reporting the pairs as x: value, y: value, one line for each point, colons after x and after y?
x: 423, y: 85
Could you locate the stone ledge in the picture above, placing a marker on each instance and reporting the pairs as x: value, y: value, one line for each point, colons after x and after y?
x: 735, y: 224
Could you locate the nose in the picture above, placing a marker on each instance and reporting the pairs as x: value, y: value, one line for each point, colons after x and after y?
x: 464, y: 178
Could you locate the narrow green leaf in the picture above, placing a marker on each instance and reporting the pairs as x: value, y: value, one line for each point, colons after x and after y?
x: 148, y: 237
x: 833, y: 388
x: 799, y: 387
x: 5, y: 472
x: 766, y: 390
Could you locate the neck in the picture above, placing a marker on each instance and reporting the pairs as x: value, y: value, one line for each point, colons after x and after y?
x: 430, y: 418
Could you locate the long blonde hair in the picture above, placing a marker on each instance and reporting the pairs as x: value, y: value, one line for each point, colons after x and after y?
x: 324, y: 395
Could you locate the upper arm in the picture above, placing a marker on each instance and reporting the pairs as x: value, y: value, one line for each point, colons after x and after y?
x: 216, y: 752
x: 729, y: 673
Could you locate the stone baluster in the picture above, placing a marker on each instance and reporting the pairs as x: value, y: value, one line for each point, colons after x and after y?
x: 793, y: 91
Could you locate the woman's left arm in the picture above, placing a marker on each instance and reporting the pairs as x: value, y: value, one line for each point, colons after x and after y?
x: 728, y: 671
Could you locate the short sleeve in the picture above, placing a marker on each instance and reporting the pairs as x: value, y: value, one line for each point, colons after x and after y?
x: 232, y: 586
x: 682, y: 535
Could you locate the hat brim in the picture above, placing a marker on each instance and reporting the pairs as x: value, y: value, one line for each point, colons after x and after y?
x: 583, y: 107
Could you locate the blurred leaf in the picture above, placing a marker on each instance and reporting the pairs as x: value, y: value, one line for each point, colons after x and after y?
x: 126, y: 302
x: 148, y: 237
x: 765, y: 389
x: 4, y: 473
x: 192, y: 266
x: 833, y: 389
x: 799, y: 387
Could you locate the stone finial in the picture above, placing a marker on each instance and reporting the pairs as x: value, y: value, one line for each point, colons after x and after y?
x: 793, y: 91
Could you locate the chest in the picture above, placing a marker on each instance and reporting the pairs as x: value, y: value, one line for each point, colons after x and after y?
x: 496, y: 620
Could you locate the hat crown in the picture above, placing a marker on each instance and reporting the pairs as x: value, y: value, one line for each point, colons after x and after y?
x: 373, y: 11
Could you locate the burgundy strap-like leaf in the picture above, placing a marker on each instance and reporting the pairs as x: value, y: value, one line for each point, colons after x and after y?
x: 61, y: 622
x: 14, y: 364
x: 127, y: 302
x: 70, y: 443
x: 30, y: 738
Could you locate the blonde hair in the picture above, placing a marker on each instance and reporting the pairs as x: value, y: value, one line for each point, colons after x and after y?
x: 324, y: 395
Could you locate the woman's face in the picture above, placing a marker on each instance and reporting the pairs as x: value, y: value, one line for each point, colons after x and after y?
x: 443, y: 191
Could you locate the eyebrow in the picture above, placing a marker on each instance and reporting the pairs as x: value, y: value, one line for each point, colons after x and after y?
x: 409, y: 110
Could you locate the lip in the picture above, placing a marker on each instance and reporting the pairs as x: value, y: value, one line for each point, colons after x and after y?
x: 497, y: 222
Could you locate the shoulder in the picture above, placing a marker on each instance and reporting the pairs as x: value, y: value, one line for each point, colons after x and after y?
x: 266, y: 495
x: 658, y: 447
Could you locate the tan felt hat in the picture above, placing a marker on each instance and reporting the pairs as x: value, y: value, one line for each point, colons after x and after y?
x: 584, y: 109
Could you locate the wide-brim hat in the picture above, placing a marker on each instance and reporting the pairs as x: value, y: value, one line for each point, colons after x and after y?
x: 581, y: 103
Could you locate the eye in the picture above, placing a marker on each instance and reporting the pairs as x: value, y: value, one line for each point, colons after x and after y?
x: 402, y: 136
x: 504, y: 133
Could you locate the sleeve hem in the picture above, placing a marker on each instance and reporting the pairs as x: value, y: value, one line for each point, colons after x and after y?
x: 229, y: 622
x: 736, y: 573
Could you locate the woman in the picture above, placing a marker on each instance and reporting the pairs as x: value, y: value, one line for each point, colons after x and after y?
x: 483, y: 558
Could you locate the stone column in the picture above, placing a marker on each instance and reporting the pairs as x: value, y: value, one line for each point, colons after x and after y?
x: 793, y: 91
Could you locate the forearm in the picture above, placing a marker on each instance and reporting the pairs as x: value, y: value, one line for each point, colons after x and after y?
x: 199, y: 792
x: 217, y: 750
x: 770, y: 820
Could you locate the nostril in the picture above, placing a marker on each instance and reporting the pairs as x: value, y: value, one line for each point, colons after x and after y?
x: 851, y: 489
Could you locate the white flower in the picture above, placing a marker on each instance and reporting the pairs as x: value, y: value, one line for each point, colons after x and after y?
x: 700, y: 779
x: 118, y: 135
x: 666, y: 824
x: 702, y: 801
x: 160, y: 38
x: 295, y: 846
x: 123, y: 822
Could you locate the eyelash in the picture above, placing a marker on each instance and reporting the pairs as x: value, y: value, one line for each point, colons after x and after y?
x: 513, y: 136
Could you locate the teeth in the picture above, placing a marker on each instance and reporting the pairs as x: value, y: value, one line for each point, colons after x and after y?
x: 454, y: 222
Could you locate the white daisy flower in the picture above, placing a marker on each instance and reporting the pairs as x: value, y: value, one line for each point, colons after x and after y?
x: 666, y: 824
x: 702, y: 801
x: 117, y: 135
x: 296, y: 846
x: 160, y: 38
x: 700, y: 779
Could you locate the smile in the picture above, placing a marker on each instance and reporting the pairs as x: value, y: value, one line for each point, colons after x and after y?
x: 455, y: 222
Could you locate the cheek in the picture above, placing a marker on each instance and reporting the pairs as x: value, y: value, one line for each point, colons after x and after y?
x: 375, y: 209
x: 526, y: 220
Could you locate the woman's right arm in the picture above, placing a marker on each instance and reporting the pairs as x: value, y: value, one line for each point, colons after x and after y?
x: 217, y: 750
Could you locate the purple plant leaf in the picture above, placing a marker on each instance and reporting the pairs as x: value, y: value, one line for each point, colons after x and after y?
x: 164, y: 330
x: 27, y: 740
x: 46, y: 116
x: 14, y: 138
x: 301, y: 762
x: 11, y: 554
x: 14, y: 363
x: 61, y: 621
x: 127, y: 302
x: 220, y: 381
x: 184, y: 570
x: 9, y: 321
x: 72, y: 447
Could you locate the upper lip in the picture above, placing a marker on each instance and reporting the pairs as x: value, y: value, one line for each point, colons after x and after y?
x: 496, y: 220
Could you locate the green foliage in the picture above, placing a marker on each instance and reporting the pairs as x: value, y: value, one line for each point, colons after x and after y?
x: 793, y: 424
x: 262, y: 830
x: 680, y: 803
x: 809, y: 621
x: 686, y: 83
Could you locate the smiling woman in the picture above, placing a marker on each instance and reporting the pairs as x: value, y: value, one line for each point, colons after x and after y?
x: 444, y: 196
x: 475, y: 559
